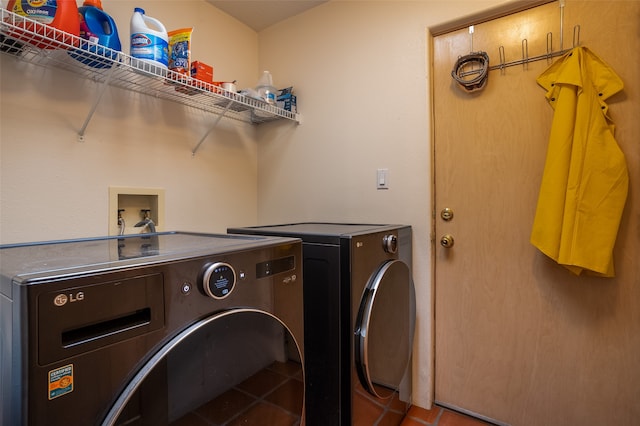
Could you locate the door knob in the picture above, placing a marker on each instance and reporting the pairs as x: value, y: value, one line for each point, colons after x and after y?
x: 446, y: 241
x: 446, y: 214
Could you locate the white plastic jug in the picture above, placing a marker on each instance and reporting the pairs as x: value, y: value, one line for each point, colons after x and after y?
x: 149, y: 39
x: 265, y: 88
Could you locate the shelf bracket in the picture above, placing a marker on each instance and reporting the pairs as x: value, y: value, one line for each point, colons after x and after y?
x: 97, y: 100
x: 215, y: 123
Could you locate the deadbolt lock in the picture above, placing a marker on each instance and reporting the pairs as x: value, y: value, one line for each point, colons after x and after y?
x: 446, y: 214
x: 446, y: 241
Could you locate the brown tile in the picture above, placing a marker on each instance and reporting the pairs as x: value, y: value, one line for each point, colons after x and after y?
x: 357, y: 386
x: 365, y: 411
x: 397, y: 405
x: 190, y: 419
x: 451, y: 418
x: 263, y: 414
x: 360, y: 390
x: 408, y: 421
x: 391, y: 418
x: 289, y: 396
x: 428, y: 416
x: 262, y: 382
x: 288, y: 368
x: 225, y: 406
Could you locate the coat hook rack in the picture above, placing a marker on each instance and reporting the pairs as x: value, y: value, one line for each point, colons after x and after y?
x: 525, y: 60
x: 548, y: 55
x: 525, y: 52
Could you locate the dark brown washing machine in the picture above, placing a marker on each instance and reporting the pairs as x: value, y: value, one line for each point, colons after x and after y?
x: 359, y: 313
x: 152, y: 329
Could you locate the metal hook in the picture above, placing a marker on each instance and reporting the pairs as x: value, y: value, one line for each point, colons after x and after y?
x: 549, y: 45
x: 562, y: 24
x: 471, y: 31
x: 576, y: 36
x: 502, y: 58
x: 525, y: 53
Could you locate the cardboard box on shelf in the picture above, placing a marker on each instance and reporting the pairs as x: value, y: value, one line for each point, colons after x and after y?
x: 202, y: 71
x: 287, y: 100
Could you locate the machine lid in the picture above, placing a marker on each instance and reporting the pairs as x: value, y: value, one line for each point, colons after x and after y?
x: 30, y: 261
x: 316, y: 232
x: 384, y: 329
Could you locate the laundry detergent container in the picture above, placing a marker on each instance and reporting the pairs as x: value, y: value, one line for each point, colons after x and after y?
x: 101, y: 43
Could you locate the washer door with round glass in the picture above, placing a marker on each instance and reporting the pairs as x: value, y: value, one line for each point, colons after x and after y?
x: 234, y: 367
x: 384, y: 329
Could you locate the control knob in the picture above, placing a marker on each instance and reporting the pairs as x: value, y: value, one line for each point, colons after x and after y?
x: 390, y: 243
x: 218, y: 280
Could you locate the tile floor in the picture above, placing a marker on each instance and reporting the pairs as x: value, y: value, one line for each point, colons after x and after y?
x: 273, y: 397
x: 369, y: 410
x: 439, y: 416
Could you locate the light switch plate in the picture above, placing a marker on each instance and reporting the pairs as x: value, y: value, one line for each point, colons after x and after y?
x: 382, y: 179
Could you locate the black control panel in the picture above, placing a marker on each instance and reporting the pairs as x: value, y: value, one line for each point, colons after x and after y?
x: 271, y: 267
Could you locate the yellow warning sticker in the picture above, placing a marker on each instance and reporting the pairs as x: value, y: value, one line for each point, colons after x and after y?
x: 60, y: 381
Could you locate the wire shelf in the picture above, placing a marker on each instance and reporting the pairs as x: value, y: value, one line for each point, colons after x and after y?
x: 42, y: 45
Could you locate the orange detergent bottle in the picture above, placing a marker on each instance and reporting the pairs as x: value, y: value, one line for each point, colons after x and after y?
x: 42, y: 15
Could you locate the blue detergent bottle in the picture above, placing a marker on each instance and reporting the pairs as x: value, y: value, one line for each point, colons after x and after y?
x: 96, y: 26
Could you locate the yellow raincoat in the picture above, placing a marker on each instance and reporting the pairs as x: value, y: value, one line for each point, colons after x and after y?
x: 585, y: 181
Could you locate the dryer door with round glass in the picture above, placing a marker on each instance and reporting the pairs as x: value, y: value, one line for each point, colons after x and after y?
x: 240, y: 366
x: 384, y: 329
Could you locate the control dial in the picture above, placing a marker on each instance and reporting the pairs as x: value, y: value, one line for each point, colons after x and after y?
x: 218, y: 280
x: 390, y: 243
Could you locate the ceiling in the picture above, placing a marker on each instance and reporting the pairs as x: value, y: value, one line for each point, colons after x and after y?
x: 260, y: 14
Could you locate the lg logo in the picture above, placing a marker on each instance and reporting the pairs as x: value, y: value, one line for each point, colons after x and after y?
x: 62, y: 299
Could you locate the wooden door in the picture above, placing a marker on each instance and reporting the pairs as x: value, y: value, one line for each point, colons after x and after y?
x: 518, y: 338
